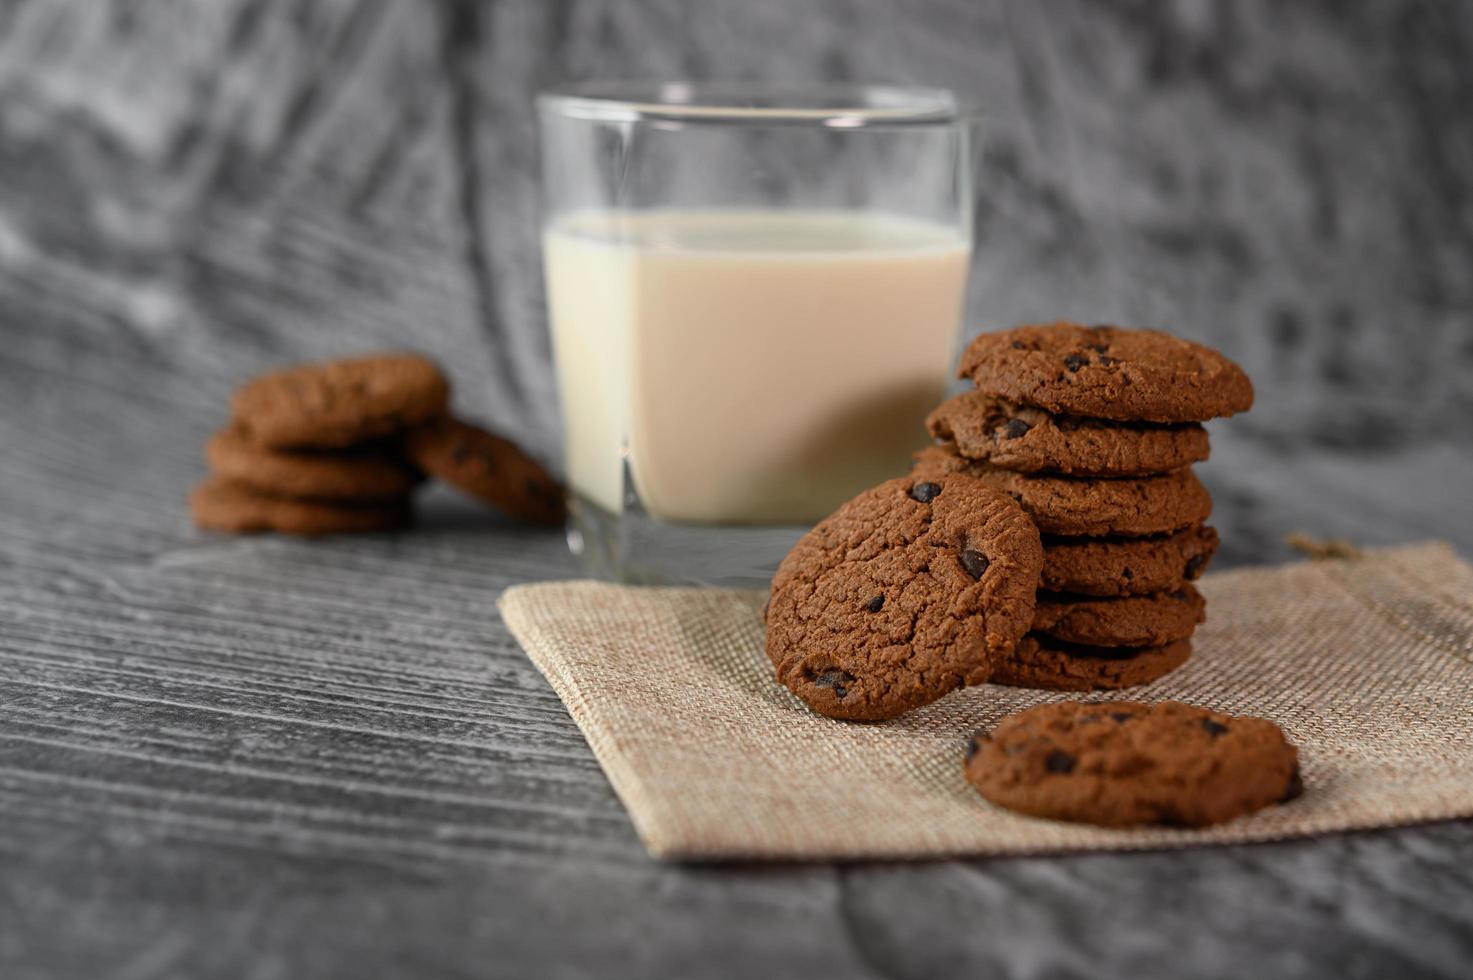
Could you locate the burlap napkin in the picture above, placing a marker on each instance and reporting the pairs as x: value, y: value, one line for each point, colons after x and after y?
x: 1366, y: 663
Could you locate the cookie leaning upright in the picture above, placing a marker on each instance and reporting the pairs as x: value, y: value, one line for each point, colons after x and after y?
x: 340, y: 403
x: 488, y: 467
x: 910, y: 590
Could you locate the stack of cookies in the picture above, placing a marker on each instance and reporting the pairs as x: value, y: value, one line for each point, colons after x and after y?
x: 1093, y: 430
x: 342, y: 446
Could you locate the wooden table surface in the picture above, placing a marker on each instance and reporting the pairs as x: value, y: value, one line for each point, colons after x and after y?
x: 261, y: 757
x: 267, y: 758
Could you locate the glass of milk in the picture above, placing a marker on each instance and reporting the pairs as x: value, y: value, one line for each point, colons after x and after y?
x: 754, y: 296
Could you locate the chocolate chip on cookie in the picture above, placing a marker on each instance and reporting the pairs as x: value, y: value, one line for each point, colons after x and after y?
x: 340, y: 403
x: 364, y: 474
x: 1126, y: 764
x: 1127, y: 566
x: 1107, y: 373
x: 489, y: 468
x: 221, y: 505
x: 910, y: 590
x: 1053, y: 665
x: 1030, y: 440
x: 1126, y: 621
x: 1085, y: 507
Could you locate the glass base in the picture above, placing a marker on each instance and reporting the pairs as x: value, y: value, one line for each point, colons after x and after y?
x: 635, y: 548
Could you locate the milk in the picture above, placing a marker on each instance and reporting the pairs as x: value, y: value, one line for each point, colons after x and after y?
x: 752, y: 367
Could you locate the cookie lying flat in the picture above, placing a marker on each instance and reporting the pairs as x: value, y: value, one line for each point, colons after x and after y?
x: 1086, y: 507
x: 359, y: 475
x: 908, y: 591
x: 489, y: 468
x: 340, y: 403
x: 1052, y: 665
x: 219, y: 505
x: 1127, y: 621
x: 1127, y: 566
x: 1107, y: 373
x: 1030, y: 440
x: 1124, y: 764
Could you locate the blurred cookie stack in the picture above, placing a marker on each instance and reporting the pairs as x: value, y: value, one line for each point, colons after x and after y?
x: 343, y: 445
x: 1093, y: 431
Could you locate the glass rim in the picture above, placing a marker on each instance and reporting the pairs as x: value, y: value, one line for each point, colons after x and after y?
x: 836, y: 106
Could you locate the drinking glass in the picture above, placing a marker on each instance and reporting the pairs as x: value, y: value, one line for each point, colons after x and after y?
x: 754, y: 296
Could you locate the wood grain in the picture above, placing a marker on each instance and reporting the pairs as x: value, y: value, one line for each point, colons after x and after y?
x: 268, y: 758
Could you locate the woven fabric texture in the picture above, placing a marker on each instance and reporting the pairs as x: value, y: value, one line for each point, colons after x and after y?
x: 1366, y: 663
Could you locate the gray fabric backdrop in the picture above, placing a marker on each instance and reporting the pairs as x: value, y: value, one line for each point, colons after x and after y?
x: 228, y: 184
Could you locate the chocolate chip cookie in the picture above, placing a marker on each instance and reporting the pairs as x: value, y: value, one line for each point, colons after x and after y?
x: 1053, y: 665
x: 488, y: 467
x: 910, y: 590
x: 339, y: 403
x: 1124, y: 764
x: 367, y: 474
x: 1127, y: 566
x: 1107, y: 373
x: 1127, y: 621
x: 220, y: 505
x: 1085, y: 507
x: 1030, y: 440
